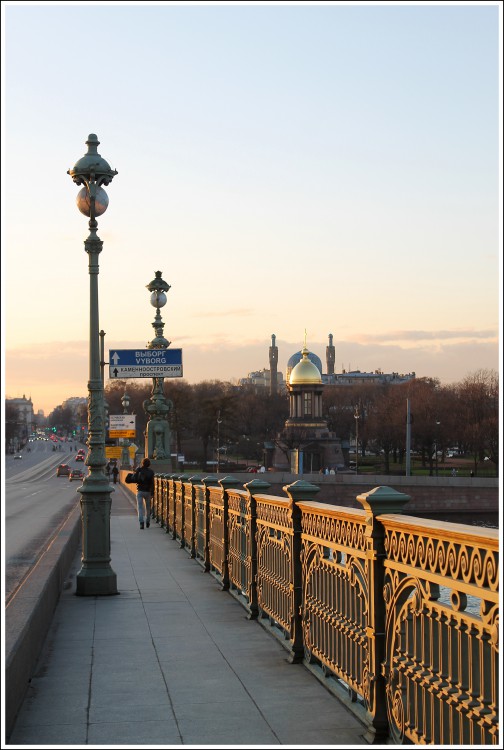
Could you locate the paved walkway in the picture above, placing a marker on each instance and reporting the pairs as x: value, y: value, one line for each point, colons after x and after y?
x: 170, y: 661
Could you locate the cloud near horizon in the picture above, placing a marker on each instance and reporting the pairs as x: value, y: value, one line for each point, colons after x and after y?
x: 416, y: 336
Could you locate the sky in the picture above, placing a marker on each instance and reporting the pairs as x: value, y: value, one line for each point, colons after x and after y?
x: 327, y: 168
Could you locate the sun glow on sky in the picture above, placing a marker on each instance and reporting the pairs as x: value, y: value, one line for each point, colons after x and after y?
x: 329, y: 167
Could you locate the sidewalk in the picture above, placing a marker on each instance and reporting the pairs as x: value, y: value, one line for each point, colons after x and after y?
x: 170, y: 661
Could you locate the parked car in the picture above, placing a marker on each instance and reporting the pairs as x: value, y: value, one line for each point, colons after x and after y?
x: 63, y: 470
x: 76, y: 474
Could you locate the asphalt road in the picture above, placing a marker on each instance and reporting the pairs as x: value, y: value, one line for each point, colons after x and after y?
x: 37, y: 502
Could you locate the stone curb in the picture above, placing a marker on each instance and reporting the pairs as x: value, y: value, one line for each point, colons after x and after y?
x: 29, y: 614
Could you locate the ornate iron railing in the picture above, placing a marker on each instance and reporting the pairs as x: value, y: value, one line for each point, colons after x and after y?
x: 441, y: 676
x: 399, y: 615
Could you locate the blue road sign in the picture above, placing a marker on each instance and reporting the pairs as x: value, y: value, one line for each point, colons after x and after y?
x: 145, y: 363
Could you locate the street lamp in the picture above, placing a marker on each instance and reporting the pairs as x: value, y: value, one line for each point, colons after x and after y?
x: 356, y: 417
x: 96, y: 577
x: 125, y: 456
x: 157, y: 432
x: 219, y: 422
x: 436, y: 444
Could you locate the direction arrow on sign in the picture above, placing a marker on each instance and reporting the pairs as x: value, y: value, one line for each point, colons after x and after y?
x: 145, y: 363
x: 122, y: 421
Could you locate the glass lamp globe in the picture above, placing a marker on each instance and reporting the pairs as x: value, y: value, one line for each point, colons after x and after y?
x: 84, y: 204
x: 158, y: 299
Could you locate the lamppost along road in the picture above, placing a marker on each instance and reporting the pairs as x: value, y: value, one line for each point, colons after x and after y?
x: 356, y: 417
x: 219, y: 422
x: 96, y: 577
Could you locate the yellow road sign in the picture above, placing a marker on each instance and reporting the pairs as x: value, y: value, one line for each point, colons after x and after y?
x: 112, y: 451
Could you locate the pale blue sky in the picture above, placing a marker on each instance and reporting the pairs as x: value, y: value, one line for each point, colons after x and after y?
x: 334, y: 168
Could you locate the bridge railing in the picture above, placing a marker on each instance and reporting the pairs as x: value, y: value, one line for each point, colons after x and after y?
x: 398, y: 614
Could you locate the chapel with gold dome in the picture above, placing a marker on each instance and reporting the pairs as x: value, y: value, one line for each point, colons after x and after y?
x: 306, y: 445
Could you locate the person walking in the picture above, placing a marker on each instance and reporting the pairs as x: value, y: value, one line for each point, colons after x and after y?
x: 144, y: 477
x: 115, y: 472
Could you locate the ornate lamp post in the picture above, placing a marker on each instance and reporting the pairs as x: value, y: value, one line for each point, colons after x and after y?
x: 96, y: 577
x: 157, y: 433
x: 219, y: 422
x: 356, y: 417
x: 125, y: 457
x: 436, y: 440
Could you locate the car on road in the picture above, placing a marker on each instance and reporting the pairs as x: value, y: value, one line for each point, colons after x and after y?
x: 76, y: 474
x: 63, y: 470
x: 80, y: 457
x: 18, y: 455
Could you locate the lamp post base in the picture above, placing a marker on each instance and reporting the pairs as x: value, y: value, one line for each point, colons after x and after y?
x: 96, y: 582
x: 96, y: 577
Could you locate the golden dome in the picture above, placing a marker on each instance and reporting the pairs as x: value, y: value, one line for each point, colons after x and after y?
x: 305, y: 372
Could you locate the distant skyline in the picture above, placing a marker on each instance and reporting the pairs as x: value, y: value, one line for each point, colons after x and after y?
x: 335, y: 168
x: 63, y: 367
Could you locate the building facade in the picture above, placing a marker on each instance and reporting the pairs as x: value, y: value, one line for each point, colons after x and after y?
x: 24, y: 423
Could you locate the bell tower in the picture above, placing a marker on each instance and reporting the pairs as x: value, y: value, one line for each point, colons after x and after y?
x: 273, y: 359
x: 330, y: 356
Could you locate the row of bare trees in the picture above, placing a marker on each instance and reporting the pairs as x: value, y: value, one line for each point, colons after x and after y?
x: 464, y: 415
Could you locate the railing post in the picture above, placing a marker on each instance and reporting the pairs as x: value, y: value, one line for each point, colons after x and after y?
x: 299, y: 490
x: 207, y: 482
x: 378, y: 501
x: 255, y: 487
x: 227, y: 483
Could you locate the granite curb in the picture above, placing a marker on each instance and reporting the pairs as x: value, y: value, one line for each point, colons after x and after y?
x: 29, y: 613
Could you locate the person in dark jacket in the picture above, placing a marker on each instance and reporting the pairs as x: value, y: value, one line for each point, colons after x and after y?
x: 144, y: 478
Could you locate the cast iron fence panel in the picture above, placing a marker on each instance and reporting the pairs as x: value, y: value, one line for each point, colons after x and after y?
x: 275, y: 587
x: 216, y: 531
x: 179, y: 511
x: 200, y: 505
x: 240, y: 544
x: 335, y: 593
x: 188, y: 516
x: 164, y: 502
x: 155, y: 498
x: 441, y: 666
x: 171, y: 527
